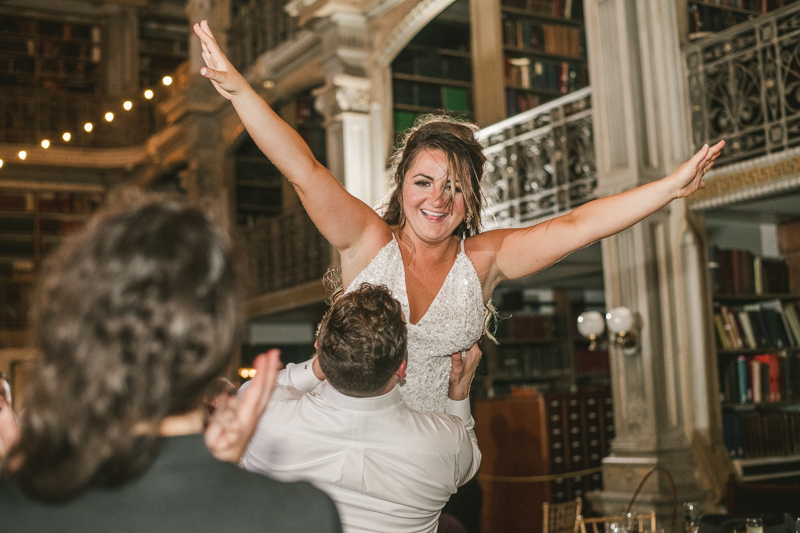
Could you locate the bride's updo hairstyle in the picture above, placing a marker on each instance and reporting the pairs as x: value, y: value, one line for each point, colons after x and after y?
x: 134, y: 316
x: 465, y: 161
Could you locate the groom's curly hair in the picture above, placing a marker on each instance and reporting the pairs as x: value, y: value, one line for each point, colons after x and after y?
x: 362, y: 341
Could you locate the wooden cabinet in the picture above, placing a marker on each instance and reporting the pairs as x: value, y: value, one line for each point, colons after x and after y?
x: 541, y: 447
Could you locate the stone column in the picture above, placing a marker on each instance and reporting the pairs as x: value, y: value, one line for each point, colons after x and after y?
x: 641, y: 134
x: 123, y: 51
x: 345, y: 102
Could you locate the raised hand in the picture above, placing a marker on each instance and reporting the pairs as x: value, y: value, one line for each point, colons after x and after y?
x: 9, y: 429
x: 235, y: 420
x: 225, y: 78
x: 462, y: 371
x: 689, y: 177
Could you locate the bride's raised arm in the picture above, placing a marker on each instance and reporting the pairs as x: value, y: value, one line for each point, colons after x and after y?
x: 521, y: 252
x: 343, y: 219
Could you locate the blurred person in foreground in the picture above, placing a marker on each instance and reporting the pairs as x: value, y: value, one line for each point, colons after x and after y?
x: 135, y: 316
x: 389, y: 468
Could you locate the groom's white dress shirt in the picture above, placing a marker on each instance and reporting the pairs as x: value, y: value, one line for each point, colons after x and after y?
x: 388, y: 468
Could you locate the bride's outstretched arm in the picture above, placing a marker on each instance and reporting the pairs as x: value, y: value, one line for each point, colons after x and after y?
x: 517, y: 253
x: 343, y: 219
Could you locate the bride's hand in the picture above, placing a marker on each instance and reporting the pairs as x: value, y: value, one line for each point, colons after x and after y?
x: 225, y: 78
x: 689, y: 177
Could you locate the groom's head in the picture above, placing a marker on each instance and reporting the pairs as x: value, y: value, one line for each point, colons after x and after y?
x: 361, y: 344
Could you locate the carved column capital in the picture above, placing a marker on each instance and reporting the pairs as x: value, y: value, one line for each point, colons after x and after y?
x: 344, y: 94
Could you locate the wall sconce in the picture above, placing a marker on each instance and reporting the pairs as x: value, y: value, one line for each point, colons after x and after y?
x: 591, y: 326
x: 620, y: 323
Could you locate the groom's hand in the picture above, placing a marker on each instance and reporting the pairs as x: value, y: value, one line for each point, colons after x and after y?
x: 462, y: 371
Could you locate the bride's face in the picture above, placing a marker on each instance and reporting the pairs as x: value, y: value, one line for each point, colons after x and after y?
x: 426, y: 193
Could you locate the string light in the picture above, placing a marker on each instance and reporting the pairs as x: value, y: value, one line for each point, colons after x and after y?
x: 127, y: 105
x: 148, y: 94
x: 88, y: 127
x: 22, y: 154
x: 45, y: 144
x: 67, y: 136
x: 109, y: 116
x: 166, y: 80
x: 1, y: 163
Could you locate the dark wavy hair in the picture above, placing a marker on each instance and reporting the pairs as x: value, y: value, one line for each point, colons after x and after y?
x: 465, y: 162
x: 134, y: 316
x: 362, y: 341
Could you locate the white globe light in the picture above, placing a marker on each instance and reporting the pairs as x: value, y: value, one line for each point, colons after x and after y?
x: 591, y: 323
x: 619, y: 320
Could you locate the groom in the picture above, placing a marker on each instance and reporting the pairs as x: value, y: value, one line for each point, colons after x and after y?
x: 387, y: 467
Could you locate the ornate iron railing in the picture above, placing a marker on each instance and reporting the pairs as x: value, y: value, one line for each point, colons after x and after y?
x: 285, y: 251
x: 258, y: 27
x: 541, y: 162
x: 744, y: 86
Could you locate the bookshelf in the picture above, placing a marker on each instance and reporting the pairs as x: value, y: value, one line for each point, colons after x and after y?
x: 32, y: 223
x: 756, y: 320
x: 54, y: 56
x: 434, y: 71
x: 163, y: 45
x: 707, y: 17
x: 544, y: 46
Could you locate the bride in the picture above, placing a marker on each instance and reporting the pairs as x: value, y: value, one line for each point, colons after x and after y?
x: 428, y: 249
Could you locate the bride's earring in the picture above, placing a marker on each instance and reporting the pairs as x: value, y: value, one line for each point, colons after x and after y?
x: 468, y: 221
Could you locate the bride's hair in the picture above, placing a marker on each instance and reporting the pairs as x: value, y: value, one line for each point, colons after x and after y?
x: 465, y: 161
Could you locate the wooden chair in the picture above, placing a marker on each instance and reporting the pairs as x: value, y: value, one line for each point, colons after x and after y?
x: 647, y: 522
x: 561, y: 517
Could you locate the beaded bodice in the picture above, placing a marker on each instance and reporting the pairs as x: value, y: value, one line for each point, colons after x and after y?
x: 453, y: 323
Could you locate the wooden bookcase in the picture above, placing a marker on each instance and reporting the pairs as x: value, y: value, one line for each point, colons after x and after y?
x: 434, y: 72
x: 32, y: 223
x: 707, y: 17
x: 544, y: 47
x: 756, y: 316
x: 541, y: 447
x: 51, y: 55
x: 163, y: 45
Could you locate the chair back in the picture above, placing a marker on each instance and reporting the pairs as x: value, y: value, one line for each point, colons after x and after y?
x: 561, y: 517
x: 647, y: 522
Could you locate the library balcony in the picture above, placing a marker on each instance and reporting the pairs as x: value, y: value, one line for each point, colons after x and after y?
x: 541, y: 162
x: 287, y: 257
x: 744, y: 87
x: 257, y: 28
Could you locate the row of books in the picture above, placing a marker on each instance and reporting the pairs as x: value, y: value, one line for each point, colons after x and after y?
x: 759, y: 6
x: 750, y: 435
x: 526, y: 361
x: 519, y: 101
x: 557, y: 76
x: 742, y: 272
x: 532, y: 326
x: 704, y: 18
x: 592, y: 362
x: 768, y: 324
x: 764, y: 378
x: 568, y: 9
x: 456, y: 99
x: 547, y: 38
x: 50, y: 202
x: 424, y: 63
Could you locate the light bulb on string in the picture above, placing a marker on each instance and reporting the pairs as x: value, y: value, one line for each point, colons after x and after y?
x: 22, y: 154
x: 109, y: 116
x: 1, y: 163
x: 148, y: 94
x: 45, y: 144
x: 67, y: 136
x: 88, y: 127
x: 127, y: 105
x: 166, y: 80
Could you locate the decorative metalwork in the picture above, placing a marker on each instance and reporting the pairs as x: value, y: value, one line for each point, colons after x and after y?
x: 258, y: 27
x: 541, y: 162
x: 744, y: 86
x: 286, y: 251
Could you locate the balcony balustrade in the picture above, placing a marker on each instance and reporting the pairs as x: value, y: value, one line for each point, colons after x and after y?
x: 285, y: 252
x: 541, y: 162
x: 744, y: 86
x: 258, y: 27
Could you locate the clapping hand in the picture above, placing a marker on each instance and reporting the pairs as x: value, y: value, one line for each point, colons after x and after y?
x: 235, y: 420
x: 462, y: 371
x: 225, y: 78
x: 689, y: 177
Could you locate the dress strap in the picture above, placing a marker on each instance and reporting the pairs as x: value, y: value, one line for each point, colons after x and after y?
x: 462, y: 244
